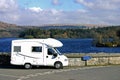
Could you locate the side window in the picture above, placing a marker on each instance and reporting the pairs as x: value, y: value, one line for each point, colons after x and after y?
x: 17, y: 49
x: 36, y: 49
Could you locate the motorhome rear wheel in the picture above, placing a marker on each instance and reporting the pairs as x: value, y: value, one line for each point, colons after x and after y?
x: 28, y: 66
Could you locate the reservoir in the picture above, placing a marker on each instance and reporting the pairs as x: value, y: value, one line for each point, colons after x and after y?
x: 69, y: 46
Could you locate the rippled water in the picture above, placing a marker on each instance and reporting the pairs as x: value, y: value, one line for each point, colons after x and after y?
x: 69, y: 46
x: 84, y: 46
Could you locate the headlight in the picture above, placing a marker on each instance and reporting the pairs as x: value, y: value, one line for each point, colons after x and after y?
x: 65, y: 59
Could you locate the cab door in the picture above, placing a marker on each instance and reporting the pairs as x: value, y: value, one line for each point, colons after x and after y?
x: 51, y: 56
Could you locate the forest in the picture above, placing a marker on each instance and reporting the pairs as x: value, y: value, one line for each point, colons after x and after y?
x: 103, y: 36
x: 107, y: 36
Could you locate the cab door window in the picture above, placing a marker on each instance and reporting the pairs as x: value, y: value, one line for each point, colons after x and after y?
x: 51, y: 51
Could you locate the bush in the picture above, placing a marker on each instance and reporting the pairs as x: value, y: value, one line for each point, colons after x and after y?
x: 108, y: 44
x: 4, y: 59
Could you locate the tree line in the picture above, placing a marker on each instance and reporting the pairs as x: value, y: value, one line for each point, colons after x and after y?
x: 56, y: 33
x: 105, y: 32
x: 102, y: 35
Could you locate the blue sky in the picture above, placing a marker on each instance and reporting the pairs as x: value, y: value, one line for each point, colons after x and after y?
x: 40, y: 12
x: 65, y: 5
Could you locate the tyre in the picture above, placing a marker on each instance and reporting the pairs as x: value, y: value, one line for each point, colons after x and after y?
x: 28, y: 66
x: 58, y: 65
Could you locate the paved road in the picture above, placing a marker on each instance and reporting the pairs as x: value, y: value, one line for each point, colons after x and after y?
x: 85, y: 73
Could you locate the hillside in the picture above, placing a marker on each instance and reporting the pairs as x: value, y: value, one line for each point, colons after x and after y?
x: 71, y: 26
x: 9, y: 30
x: 13, y: 30
x: 7, y: 26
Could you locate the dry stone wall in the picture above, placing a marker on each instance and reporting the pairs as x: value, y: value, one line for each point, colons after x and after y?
x: 95, y: 61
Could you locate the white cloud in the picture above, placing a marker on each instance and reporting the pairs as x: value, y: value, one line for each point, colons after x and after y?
x: 86, y: 3
x: 82, y: 10
x: 54, y: 11
x: 94, y: 12
x: 9, y: 11
x: 35, y: 9
x: 100, y: 4
x: 7, y: 5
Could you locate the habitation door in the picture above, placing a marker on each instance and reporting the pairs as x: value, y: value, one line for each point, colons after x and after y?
x: 37, y: 52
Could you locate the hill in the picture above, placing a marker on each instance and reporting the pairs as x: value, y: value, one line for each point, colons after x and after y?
x: 7, y: 26
x: 9, y: 30
x: 13, y: 30
x: 71, y: 26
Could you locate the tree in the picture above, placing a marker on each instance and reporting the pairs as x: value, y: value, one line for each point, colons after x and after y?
x: 118, y: 33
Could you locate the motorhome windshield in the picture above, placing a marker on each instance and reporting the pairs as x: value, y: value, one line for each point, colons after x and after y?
x: 53, y: 50
x: 57, y: 51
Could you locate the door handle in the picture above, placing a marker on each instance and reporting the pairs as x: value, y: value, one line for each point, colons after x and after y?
x: 46, y: 56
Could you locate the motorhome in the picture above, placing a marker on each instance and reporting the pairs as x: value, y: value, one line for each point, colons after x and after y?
x: 37, y: 52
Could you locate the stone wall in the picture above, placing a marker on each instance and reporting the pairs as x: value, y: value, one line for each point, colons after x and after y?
x: 95, y: 61
x: 75, y: 59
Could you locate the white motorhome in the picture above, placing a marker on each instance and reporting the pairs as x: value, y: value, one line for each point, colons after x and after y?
x: 37, y: 52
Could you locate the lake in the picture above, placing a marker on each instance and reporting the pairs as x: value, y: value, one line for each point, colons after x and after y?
x: 84, y: 46
x: 69, y: 46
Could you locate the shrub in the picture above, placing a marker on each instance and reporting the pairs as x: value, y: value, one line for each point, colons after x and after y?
x: 4, y: 59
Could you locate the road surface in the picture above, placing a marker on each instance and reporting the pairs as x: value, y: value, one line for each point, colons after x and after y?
x: 81, y: 73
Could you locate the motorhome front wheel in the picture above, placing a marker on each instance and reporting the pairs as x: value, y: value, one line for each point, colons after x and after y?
x: 58, y: 65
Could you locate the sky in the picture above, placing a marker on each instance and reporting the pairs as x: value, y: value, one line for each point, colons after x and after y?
x: 40, y: 12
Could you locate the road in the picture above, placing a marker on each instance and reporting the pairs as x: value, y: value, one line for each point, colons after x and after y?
x: 82, y: 73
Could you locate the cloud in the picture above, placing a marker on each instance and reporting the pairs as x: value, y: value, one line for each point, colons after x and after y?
x: 56, y: 2
x: 85, y: 3
x: 100, y: 4
x: 7, y: 5
x: 54, y: 11
x: 82, y: 10
x: 101, y: 11
x: 8, y: 11
x: 94, y: 12
x: 35, y: 9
